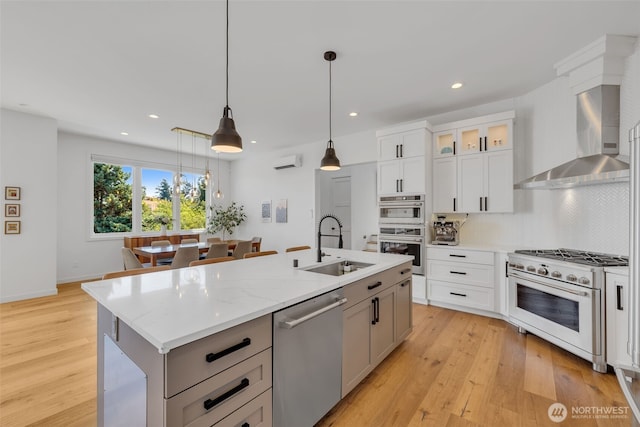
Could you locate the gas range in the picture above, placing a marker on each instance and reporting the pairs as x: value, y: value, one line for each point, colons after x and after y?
x: 566, y: 265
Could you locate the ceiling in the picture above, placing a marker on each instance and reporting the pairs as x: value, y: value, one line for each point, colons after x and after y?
x: 101, y: 67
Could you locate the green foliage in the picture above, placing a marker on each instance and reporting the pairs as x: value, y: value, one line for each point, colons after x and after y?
x: 192, y: 213
x: 164, y: 190
x: 226, y: 219
x: 151, y: 219
x: 112, y: 204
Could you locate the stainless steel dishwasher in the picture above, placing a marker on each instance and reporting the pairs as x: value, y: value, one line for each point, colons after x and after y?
x: 307, y: 360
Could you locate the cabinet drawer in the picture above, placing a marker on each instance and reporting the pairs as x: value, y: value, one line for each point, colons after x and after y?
x: 222, y: 394
x: 469, y: 296
x: 256, y: 413
x: 460, y: 272
x: 364, y: 288
x: 188, y: 364
x: 460, y: 255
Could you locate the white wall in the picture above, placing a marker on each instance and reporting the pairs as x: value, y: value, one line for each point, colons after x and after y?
x: 80, y: 256
x: 254, y: 179
x: 27, y: 160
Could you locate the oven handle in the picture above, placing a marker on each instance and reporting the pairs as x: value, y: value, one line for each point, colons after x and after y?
x: 560, y: 288
x: 401, y: 204
x: 401, y: 240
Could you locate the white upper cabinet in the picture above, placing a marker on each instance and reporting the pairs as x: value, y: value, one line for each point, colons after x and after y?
x: 401, y: 145
x: 401, y: 159
x: 473, y: 165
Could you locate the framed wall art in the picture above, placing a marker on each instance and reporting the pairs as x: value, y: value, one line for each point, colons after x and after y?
x: 12, y: 227
x: 12, y: 193
x: 281, y: 211
x: 265, y: 209
x: 12, y: 210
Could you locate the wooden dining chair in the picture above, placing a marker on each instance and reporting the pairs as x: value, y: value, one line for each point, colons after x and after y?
x: 211, y: 261
x: 297, y: 248
x: 255, y: 244
x: 184, y: 255
x: 183, y: 241
x: 134, y: 271
x: 217, y: 250
x: 257, y: 254
x: 242, y: 247
x: 130, y: 259
x: 162, y: 261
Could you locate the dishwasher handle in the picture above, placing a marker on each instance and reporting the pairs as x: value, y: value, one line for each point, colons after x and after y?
x: 295, y: 322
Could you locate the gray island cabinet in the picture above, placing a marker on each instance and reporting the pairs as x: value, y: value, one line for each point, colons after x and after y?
x: 193, y: 346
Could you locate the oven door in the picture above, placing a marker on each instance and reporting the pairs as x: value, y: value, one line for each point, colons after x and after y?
x: 413, y: 246
x: 554, y: 309
x: 401, y: 213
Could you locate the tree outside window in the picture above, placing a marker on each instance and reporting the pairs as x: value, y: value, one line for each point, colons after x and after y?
x: 112, y: 193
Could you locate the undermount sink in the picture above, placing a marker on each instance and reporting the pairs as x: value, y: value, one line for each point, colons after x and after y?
x: 338, y: 268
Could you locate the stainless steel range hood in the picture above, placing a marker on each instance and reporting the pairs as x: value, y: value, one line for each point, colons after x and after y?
x: 598, y: 125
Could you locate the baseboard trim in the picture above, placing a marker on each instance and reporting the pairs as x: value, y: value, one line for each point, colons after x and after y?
x: 30, y: 295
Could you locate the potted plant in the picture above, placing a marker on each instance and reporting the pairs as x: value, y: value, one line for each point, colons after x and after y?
x: 163, y: 221
x: 226, y: 219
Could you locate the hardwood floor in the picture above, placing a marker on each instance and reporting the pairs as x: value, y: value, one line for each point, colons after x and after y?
x: 455, y: 369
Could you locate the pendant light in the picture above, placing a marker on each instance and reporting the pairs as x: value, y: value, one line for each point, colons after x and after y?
x: 226, y: 139
x: 177, y: 178
x: 330, y: 162
x: 218, y: 194
x: 194, y: 194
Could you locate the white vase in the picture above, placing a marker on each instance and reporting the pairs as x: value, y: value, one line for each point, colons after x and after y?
x: 163, y: 230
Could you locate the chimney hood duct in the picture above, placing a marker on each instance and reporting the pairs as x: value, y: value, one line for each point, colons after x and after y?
x: 598, y: 125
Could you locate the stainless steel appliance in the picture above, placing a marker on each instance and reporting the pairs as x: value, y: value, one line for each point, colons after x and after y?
x: 445, y: 232
x: 559, y: 295
x: 307, y: 360
x: 629, y: 376
x: 401, y: 210
x: 404, y: 240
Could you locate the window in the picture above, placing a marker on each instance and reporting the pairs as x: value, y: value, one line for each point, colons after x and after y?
x: 112, y: 195
x: 140, y: 198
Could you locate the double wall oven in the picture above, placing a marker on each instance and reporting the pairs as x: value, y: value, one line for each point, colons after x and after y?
x: 558, y: 295
x: 401, y: 222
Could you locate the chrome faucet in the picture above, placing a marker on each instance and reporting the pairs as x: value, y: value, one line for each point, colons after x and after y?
x: 339, y: 236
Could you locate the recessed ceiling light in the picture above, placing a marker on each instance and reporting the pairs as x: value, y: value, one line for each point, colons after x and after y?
x: 124, y: 133
x: 253, y: 141
x: 456, y: 85
x: 353, y: 114
x: 154, y: 116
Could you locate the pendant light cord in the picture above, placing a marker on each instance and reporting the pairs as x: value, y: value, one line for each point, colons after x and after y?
x: 330, y: 139
x: 227, y: 94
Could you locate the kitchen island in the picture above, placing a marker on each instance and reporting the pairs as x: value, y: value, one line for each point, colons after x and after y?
x: 168, y: 340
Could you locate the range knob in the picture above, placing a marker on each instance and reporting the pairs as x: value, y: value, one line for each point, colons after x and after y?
x: 556, y: 274
x: 584, y: 281
x: 531, y: 268
x: 520, y: 266
x: 512, y: 264
x: 543, y: 271
x: 572, y: 278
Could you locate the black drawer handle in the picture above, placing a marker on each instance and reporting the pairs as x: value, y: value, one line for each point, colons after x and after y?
x: 215, y: 356
x: 619, y: 297
x: 374, y: 285
x: 403, y: 284
x: 245, y: 425
x: 458, y: 295
x: 457, y: 256
x: 210, y: 403
x: 458, y: 272
x: 408, y: 270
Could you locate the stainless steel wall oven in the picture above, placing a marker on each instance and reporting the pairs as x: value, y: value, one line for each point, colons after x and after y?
x: 406, y: 241
x: 401, y: 210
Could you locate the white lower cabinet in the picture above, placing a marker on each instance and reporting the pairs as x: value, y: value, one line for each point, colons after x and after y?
x: 376, y: 318
x: 617, y: 318
x: 461, y: 277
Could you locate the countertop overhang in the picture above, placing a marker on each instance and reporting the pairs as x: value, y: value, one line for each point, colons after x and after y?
x: 175, y: 307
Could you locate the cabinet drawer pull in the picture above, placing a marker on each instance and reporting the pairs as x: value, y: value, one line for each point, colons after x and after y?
x: 485, y: 143
x: 480, y: 144
x: 454, y: 148
x: 245, y: 425
x: 373, y: 321
x: 486, y: 206
x: 619, y: 297
x: 464, y: 273
x: 454, y: 204
x: 403, y: 284
x: 405, y: 271
x: 457, y: 256
x: 458, y: 295
x: 375, y: 285
x: 401, y: 150
x: 210, y: 403
x: 215, y: 356
x: 397, y: 155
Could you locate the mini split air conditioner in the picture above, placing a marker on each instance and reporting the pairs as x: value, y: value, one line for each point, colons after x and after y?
x: 293, y: 161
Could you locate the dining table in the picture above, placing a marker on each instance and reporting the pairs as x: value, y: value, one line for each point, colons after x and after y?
x: 153, y: 253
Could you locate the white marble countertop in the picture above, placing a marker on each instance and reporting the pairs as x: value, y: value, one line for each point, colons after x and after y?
x: 175, y: 307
